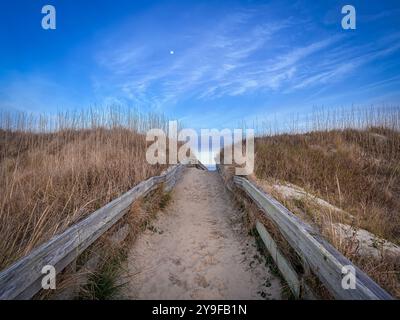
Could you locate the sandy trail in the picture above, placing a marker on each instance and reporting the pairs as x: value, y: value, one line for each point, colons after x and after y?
x: 198, y: 249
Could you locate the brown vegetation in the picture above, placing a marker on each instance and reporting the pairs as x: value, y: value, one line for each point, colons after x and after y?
x: 355, y: 170
x: 55, y: 172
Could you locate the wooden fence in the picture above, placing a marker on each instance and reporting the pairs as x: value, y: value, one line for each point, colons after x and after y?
x: 317, y: 254
x: 22, y: 280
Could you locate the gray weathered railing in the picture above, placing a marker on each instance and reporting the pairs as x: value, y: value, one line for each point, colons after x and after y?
x: 320, y: 256
x: 22, y: 280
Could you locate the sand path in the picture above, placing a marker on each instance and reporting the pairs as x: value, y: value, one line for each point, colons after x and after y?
x: 198, y: 249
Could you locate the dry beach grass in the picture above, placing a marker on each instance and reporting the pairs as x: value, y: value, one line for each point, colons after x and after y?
x: 350, y: 178
x: 56, y: 172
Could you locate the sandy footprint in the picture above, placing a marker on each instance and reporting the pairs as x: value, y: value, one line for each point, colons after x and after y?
x: 203, y: 252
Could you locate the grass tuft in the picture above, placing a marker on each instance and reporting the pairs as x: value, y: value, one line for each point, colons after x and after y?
x: 56, y: 171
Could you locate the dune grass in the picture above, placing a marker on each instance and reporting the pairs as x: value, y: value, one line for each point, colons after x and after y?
x: 355, y: 170
x: 352, y: 163
x: 55, y: 171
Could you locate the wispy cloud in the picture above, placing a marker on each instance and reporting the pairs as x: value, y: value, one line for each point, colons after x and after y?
x: 37, y: 93
x: 237, y: 55
x: 217, y: 61
x: 346, y: 60
x: 220, y: 60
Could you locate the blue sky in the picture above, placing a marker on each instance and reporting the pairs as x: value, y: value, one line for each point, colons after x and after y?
x: 231, y: 61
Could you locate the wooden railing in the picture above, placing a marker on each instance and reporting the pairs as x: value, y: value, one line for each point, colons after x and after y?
x: 22, y: 280
x: 317, y: 254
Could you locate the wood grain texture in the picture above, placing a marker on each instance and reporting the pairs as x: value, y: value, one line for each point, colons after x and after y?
x: 22, y: 280
x: 281, y: 262
x: 324, y: 260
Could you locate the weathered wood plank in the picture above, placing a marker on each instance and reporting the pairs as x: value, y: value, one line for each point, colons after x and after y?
x: 325, y: 261
x: 23, y: 279
x: 201, y: 166
x: 196, y: 164
x: 283, y: 265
